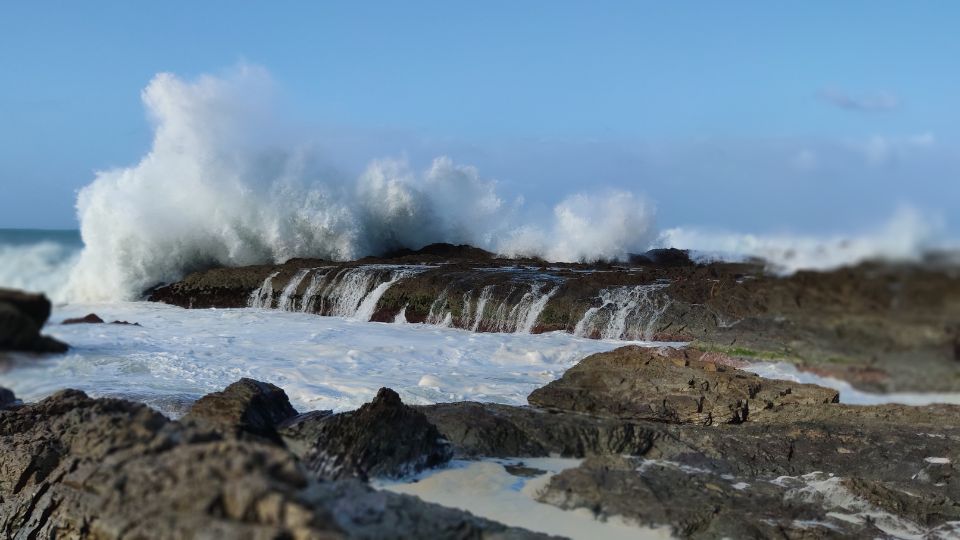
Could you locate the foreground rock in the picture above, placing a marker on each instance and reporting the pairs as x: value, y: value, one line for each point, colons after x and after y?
x: 755, y: 459
x: 803, y: 467
x: 245, y: 407
x: 22, y: 316
x: 75, y: 467
x: 383, y: 438
x: 881, y: 326
x: 7, y: 398
x: 682, y: 386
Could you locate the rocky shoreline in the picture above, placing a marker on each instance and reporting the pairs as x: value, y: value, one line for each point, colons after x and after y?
x: 883, y: 327
x: 668, y: 437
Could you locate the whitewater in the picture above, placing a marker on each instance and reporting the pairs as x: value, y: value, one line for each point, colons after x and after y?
x: 228, y: 182
x: 225, y: 183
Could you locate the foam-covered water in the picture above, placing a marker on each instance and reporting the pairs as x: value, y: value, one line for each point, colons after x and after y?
x: 906, y: 235
x: 178, y: 355
x: 223, y: 185
x: 848, y: 394
x: 625, y: 313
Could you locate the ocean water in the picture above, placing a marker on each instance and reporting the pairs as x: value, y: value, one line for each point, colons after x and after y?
x: 38, y: 260
x: 176, y: 355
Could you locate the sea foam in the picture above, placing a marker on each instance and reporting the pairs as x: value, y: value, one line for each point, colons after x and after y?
x: 216, y: 189
x: 226, y: 184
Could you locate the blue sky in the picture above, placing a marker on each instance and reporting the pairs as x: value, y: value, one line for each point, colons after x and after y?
x: 751, y: 116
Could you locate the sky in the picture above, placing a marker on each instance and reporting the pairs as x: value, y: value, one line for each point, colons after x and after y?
x: 810, y: 117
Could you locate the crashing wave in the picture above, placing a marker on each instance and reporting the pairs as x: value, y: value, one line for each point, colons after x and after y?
x: 215, y: 189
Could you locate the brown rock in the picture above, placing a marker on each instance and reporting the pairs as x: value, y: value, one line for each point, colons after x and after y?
x: 383, y: 438
x: 90, y: 318
x: 671, y: 385
x: 75, y: 467
x: 245, y: 407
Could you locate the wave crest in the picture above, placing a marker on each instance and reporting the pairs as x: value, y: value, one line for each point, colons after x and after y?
x: 216, y: 190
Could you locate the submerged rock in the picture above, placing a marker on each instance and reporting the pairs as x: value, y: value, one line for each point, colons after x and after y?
x: 383, y: 438
x: 93, y: 318
x: 245, y: 407
x: 90, y: 318
x: 22, y: 316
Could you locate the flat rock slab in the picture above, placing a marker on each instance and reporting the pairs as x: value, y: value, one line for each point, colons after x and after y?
x: 680, y: 386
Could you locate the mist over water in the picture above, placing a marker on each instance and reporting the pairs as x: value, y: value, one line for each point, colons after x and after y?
x: 226, y: 183
x: 38, y: 260
x: 905, y: 236
x: 214, y: 190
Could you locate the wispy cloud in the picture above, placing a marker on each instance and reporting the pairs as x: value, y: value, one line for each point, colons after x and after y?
x: 875, y: 102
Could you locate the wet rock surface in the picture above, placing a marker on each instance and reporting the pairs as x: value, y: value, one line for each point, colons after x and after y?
x: 245, y: 407
x: 90, y: 318
x: 22, y: 316
x: 383, y: 438
x: 680, y: 386
x: 805, y: 468
x: 881, y: 326
x: 243, y: 464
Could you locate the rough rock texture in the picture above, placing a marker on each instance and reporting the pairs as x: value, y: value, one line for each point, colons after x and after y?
x: 382, y: 438
x: 22, y: 316
x: 805, y: 468
x: 301, y: 432
x: 245, y: 407
x: 671, y: 385
x: 75, y: 467
x: 488, y: 429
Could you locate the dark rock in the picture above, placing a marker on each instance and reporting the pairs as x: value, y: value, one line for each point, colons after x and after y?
x: 668, y: 257
x: 671, y: 385
x: 443, y: 250
x: 93, y: 318
x: 7, y: 398
x: 90, y: 318
x: 245, y: 407
x: 22, y: 316
x: 491, y: 430
x: 301, y: 432
x: 696, y: 504
x: 383, y: 438
x: 35, y: 307
x: 75, y: 467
